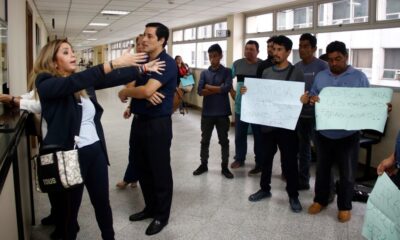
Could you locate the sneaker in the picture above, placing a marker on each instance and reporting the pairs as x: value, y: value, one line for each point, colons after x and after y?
x: 261, y: 194
x: 237, y: 164
x: 295, y: 205
x: 315, y: 208
x: 344, y: 216
x: 255, y: 171
x: 200, y: 170
x: 225, y: 171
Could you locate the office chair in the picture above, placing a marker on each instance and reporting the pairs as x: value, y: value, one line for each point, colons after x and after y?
x: 368, y: 138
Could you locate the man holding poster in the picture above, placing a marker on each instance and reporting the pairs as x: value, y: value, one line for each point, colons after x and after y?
x: 274, y: 137
x: 335, y: 146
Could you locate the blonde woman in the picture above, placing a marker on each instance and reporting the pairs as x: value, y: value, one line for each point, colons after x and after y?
x: 70, y: 109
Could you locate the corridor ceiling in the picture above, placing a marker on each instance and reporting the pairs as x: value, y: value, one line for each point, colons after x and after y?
x: 72, y: 17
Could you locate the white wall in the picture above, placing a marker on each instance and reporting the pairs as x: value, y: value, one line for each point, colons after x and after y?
x: 17, y: 46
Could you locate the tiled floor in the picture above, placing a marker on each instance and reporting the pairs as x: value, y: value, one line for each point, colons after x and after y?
x: 207, y: 206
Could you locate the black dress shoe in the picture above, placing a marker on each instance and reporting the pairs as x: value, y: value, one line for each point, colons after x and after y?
x: 295, y: 205
x: 155, y: 227
x: 49, y: 220
x: 227, y: 173
x: 140, y: 216
x: 200, y: 170
x: 261, y: 194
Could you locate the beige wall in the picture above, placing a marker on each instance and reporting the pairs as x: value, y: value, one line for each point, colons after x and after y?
x: 8, y: 217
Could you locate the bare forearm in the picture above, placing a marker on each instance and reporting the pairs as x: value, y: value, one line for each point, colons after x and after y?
x: 213, y: 89
x: 137, y: 92
x: 206, y: 92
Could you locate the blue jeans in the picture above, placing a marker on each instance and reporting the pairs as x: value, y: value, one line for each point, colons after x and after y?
x: 305, y: 131
x: 241, y: 140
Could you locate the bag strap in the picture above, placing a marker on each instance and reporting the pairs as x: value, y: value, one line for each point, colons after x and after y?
x: 290, y: 72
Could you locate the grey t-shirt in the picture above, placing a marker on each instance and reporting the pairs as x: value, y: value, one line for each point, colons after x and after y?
x: 281, y: 74
x: 310, y: 71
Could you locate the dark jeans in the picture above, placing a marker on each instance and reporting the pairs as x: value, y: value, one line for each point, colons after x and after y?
x: 305, y: 128
x: 287, y: 142
x: 94, y: 171
x: 151, y: 144
x: 343, y: 152
x: 241, y: 129
x: 207, y: 127
x: 131, y: 174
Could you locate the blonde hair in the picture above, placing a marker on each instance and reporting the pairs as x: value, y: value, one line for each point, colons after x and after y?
x: 45, y: 63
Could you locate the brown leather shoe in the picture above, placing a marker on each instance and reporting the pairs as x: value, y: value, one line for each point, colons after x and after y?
x: 344, y: 216
x: 122, y: 185
x: 236, y: 164
x: 315, y: 208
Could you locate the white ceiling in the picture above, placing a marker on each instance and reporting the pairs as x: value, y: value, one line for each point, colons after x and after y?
x: 71, y: 17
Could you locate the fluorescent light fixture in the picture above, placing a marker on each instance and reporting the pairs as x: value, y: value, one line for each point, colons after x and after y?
x: 114, y: 12
x: 91, y: 39
x: 98, y: 24
x: 89, y: 31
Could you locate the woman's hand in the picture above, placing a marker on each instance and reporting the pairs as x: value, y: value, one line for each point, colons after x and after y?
x: 156, y: 98
x: 127, y: 59
x: 155, y: 66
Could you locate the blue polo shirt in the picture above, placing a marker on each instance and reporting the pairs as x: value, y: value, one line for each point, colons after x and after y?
x: 350, y: 78
x: 216, y: 105
x: 168, y: 86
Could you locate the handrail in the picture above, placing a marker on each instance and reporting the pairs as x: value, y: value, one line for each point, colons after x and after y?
x: 11, y: 148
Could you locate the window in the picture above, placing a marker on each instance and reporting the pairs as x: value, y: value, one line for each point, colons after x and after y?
x: 295, y: 56
x: 388, y: 9
x: 177, y: 36
x: 190, y: 34
x: 204, y: 32
x: 392, y: 64
x: 187, y: 52
x: 343, y: 12
x: 260, y: 23
x: 218, y: 27
x: 202, y: 53
x: 362, y: 60
x: 295, y: 18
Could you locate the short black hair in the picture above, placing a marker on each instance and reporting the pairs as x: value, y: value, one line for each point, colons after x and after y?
x: 271, y: 39
x: 310, y: 38
x: 324, y: 57
x: 215, y: 48
x: 284, y: 41
x: 162, y: 31
x: 336, y: 46
x: 254, y: 43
